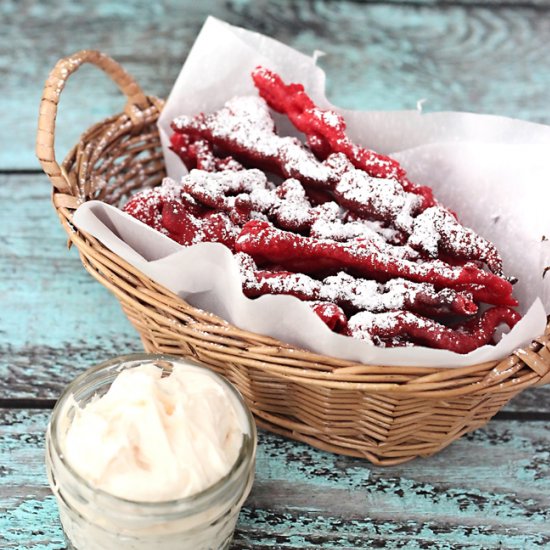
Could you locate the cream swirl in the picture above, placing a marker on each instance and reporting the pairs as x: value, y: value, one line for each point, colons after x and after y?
x: 152, y: 438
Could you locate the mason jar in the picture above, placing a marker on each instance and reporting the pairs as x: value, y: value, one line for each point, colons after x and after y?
x: 93, y: 519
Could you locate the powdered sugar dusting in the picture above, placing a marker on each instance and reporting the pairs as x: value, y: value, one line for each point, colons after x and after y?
x: 349, y: 292
x: 378, y: 198
x: 436, y: 229
x: 146, y: 205
x: 245, y: 123
x: 370, y: 326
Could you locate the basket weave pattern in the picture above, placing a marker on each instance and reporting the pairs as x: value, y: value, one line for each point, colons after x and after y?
x: 385, y: 414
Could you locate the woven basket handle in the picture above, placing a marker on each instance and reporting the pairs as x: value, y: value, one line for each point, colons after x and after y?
x: 45, y: 139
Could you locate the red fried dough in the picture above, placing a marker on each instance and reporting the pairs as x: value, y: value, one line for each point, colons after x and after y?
x: 244, y: 128
x: 325, y: 131
x: 171, y: 211
x: 436, y: 231
x: 346, y: 231
x: 481, y: 294
x: 355, y: 294
x: 146, y: 207
x: 186, y: 229
x: 331, y: 315
x: 267, y: 244
x: 379, y: 327
x: 199, y: 154
x: 178, y: 215
x: 247, y: 194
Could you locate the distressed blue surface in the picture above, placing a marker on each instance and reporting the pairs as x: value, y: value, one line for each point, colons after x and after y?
x: 379, y: 56
x: 491, y: 489
x: 474, y: 494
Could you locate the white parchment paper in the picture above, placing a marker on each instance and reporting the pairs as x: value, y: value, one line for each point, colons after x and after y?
x: 492, y: 170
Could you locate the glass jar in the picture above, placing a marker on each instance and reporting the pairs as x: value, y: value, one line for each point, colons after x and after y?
x: 95, y: 520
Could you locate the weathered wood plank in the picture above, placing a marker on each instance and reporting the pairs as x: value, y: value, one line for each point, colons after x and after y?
x: 380, y: 56
x: 57, y: 320
x: 491, y: 488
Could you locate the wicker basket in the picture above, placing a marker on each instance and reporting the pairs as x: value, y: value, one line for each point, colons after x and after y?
x: 386, y: 414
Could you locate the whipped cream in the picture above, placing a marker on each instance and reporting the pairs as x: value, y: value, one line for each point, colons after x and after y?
x: 152, y: 438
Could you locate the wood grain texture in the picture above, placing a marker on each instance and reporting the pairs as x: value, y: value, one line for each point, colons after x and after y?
x: 465, y: 56
x: 56, y: 320
x: 496, y: 495
x: 491, y: 489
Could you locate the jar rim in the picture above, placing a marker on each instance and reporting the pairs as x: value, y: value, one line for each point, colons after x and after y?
x: 246, y: 453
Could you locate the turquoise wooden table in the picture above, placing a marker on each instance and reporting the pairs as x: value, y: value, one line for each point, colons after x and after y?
x: 491, y: 489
